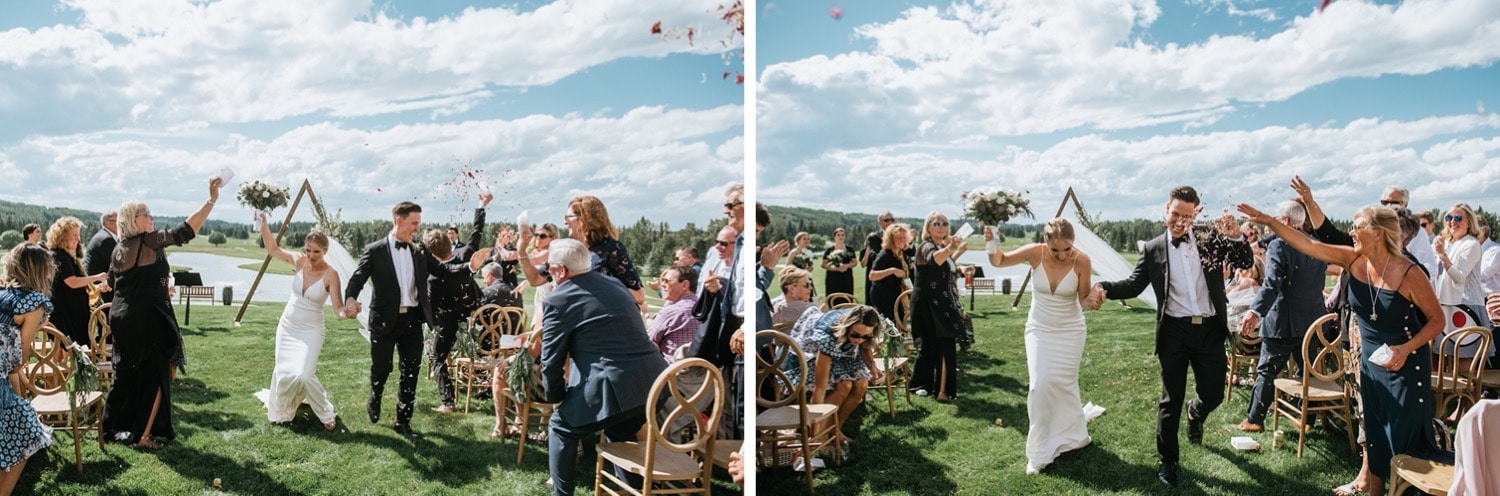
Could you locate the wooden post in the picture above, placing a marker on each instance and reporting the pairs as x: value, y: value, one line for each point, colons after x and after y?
x: 305, y: 190
x: 1014, y: 305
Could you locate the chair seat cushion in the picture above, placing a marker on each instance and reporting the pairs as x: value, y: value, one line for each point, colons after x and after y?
x: 631, y: 456
x: 787, y: 418
x: 1317, y: 390
x: 57, y: 403
x: 1425, y: 475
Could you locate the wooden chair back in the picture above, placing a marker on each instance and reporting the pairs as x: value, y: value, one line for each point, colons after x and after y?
x: 902, y: 312
x: 786, y: 388
x: 1322, y: 357
x: 100, y: 342
x: 668, y: 394
x: 47, y: 364
x: 836, y: 299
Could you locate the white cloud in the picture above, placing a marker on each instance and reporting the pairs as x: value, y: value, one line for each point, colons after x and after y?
x: 538, y: 162
x: 1441, y: 159
x: 151, y: 63
x: 1025, y: 67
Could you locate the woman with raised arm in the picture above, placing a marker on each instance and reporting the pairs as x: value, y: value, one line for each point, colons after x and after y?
x: 299, y: 333
x: 1055, y: 335
x: 1397, y: 310
x: 147, y: 341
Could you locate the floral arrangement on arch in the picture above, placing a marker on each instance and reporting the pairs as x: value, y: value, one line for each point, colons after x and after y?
x: 262, y: 196
x: 995, y: 206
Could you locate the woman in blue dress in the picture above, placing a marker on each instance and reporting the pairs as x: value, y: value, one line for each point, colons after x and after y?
x: 1396, y: 307
x: 24, y: 305
x: 839, y: 347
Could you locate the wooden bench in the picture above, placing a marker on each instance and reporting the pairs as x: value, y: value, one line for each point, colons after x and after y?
x: 187, y: 293
x: 982, y: 283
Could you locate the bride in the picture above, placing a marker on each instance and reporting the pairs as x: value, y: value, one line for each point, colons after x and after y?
x: 299, y: 334
x: 1054, y: 341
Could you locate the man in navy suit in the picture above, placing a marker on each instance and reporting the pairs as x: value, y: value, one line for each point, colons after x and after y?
x: 1186, y: 271
x: 593, y: 320
x: 1290, y: 299
x: 398, y: 308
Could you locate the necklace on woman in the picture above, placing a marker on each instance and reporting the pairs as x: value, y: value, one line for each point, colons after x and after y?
x: 1373, y: 303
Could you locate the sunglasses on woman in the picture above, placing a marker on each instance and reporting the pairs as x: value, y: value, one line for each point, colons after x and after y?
x: 861, y: 336
x: 1453, y: 218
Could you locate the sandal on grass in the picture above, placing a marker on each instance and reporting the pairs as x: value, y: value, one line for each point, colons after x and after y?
x: 1348, y: 490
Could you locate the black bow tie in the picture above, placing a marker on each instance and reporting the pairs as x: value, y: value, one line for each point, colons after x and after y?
x: 1178, y: 241
x: 402, y: 246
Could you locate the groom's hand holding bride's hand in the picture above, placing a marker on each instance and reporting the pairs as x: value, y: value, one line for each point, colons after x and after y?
x: 1096, y: 298
x: 351, y: 308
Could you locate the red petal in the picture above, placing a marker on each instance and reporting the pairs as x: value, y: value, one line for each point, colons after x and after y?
x: 656, y: 28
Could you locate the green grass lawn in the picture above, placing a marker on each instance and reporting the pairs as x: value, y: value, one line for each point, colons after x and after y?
x: 976, y: 445
x: 223, y: 432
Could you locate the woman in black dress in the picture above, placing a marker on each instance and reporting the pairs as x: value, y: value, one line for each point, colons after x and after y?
x: 147, y: 341
x: 839, y: 278
x: 70, y: 286
x: 1395, y: 306
x: 889, y: 271
x: 936, y: 317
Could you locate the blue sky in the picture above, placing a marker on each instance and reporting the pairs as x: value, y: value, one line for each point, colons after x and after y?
x: 374, y: 103
x: 904, y: 105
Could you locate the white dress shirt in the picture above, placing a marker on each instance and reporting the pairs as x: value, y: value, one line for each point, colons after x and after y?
x: 404, y: 271
x: 1187, y: 290
x: 1489, y: 268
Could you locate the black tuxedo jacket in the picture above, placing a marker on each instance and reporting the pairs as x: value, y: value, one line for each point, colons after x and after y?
x: 451, y: 283
x: 376, y: 263
x: 1216, y: 251
x: 96, y: 258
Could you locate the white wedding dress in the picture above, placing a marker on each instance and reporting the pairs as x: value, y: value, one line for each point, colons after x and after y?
x: 299, y: 339
x: 1054, y: 348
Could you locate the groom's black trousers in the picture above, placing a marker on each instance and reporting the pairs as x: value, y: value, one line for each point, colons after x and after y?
x: 1184, y: 344
x: 403, y: 335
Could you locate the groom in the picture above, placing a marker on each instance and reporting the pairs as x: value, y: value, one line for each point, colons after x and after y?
x: 1186, y: 271
x: 398, y: 307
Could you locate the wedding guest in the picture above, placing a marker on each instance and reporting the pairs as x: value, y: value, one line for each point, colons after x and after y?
x: 496, y: 291
x: 1289, y: 300
x: 70, y: 284
x: 139, y: 405
x: 1421, y: 245
x: 1458, y: 256
x: 453, y: 294
x: 588, y: 221
x: 686, y: 256
x: 32, y: 233
x: 838, y: 278
x: 873, y: 245
x: 96, y: 254
x: 936, y: 317
x: 674, y: 326
x: 1389, y: 299
x: 796, y: 296
x: 23, y: 308
x: 1489, y: 262
x: 839, y: 345
x: 888, y: 272
x: 798, y: 256
x: 591, y: 319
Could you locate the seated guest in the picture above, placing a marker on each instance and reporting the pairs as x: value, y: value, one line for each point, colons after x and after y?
x: 674, y: 326
x: 496, y: 291
x: 796, y: 296
x: 839, y: 346
x: 592, y: 319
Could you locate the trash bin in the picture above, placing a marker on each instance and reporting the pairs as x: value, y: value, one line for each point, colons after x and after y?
x: 1005, y: 286
x: 229, y: 295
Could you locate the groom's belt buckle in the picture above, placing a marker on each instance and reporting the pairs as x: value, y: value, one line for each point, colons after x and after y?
x: 403, y: 309
x: 1196, y: 319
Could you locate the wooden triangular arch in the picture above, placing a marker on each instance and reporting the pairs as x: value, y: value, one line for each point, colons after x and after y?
x: 1014, y: 305
x: 317, y: 206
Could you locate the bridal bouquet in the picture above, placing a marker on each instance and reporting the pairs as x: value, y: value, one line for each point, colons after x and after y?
x: 261, y: 196
x: 993, y: 207
x: 840, y: 257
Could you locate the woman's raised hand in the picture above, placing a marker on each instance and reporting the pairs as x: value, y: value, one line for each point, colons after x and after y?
x: 1254, y: 215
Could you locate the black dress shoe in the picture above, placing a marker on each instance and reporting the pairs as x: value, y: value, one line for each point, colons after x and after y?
x: 1167, y: 473
x: 1195, y: 430
x: 405, y: 430
x: 372, y: 407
